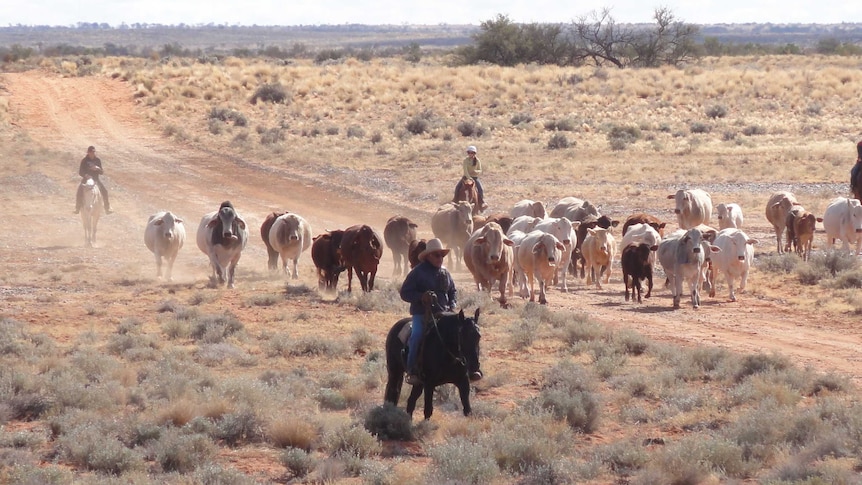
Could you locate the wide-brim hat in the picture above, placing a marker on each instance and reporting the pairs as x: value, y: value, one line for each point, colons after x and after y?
x: 433, y: 246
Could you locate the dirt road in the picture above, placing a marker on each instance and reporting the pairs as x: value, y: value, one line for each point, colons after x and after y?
x: 146, y: 172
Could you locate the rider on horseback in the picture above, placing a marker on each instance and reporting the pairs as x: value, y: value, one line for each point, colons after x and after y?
x: 428, y: 276
x: 855, y: 188
x: 91, y: 167
x: 472, y: 170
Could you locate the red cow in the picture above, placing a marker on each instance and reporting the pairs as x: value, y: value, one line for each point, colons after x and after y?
x: 361, y: 249
x: 324, y: 253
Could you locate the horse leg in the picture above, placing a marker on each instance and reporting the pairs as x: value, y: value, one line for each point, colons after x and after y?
x: 429, y: 400
x: 415, y: 392
x: 464, y: 393
x: 393, y: 386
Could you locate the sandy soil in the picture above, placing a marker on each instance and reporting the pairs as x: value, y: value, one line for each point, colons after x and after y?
x: 146, y: 172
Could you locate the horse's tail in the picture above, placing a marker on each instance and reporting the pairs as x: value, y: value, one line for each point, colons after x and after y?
x: 394, y: 362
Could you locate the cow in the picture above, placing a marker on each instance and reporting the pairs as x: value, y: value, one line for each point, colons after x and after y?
x: 843, y: 220
x: 590, y: 222
x: 524, y: 224
x: 735, y: 258
x: 222, y: 235
x: 693, y: 207
x: 517, y: 272
x: 528, y: 207
x: 777, y: 208
x: 290, y: 236
x: 327, y: 259
x: 682, y: 254
x: 642, y: 234
x: 453, y: 225
x: 538, y: 256
x: 164, y: 235
x: 802, y: 224
x: 636, y: 266
x: 598, y: 250
x: 361, y: 249
x: 503, y: 220
x: 564, y: 230
x: 91, y: 209
x: 729, y: 215
x: 416, y: 248
x: 574, y: 209
x: 272, y: 254
x: 489, y: 258
x: 644, y: 218
x: 398, y: 233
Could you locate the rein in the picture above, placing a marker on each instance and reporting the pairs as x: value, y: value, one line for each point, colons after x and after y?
x: 457, y: 358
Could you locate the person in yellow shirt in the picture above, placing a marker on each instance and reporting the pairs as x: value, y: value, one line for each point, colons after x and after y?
x: 473, y: 169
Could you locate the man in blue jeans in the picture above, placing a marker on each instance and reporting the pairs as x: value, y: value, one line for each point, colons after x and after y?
x: 428, y: 275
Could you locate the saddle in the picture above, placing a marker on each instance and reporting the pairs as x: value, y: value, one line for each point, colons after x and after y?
x: 429, y: 299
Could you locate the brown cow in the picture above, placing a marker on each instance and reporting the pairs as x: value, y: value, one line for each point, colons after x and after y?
x: 453, y: 225
x: 272, y: 262
x: 327, y: 259
x: 644, y: 218
x: 361, y: 249
x: 416, y: 247
x: 398, y: 234
x: 800, y: 231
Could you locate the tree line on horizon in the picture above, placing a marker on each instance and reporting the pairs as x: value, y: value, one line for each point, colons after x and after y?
x: 593, y: 39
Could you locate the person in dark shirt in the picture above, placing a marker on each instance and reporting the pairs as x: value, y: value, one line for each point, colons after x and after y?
x: 855, y: 189
x: 91, y: 166
x: 428, y: 275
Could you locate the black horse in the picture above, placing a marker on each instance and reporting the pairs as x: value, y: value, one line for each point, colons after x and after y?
x: 449, y: 355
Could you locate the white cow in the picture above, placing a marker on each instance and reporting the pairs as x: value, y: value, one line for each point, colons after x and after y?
x: 843, y: 220
x: 693, y: 207
x: 164, y: 236
x: 524, y: 224
x: 564, y: 230
x: 735, y: 258
x: 290, y: 236
x: 574, y: 209
x: 517, y: 272
x: 777, y: 208
x: 489, y: 258
x: 528, y: 207
x: 539, y: 254
x: 637, y: 234
x: 598, y: 249
x: 682, y: 254
x: 222, y: 235
x: 729, y: 215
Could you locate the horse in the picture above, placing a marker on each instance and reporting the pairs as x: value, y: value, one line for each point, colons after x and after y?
x: 91, y: 209
x: 857, y: 190
x: 449, y: 354
x: 466, y: 191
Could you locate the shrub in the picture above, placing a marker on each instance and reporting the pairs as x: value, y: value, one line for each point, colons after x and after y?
x: 417, y: 125
x: 834, y: 261
x: 293, y: 432
x: 753, y: 130
x: 620, y: 137
x: 388, y: 422
x: 558, y: 141
x: 698, y: 127
x: 239, y: 427
x: 760, y: 363
x: 298, y: 462
x: 177, y: 452
x: 272, y: 93
x: 560, y: 125
x: 226, y: 115
x: 271, y: 136
x: 470, y: 128
x: 779, y: 263
x: 353, y: 440
x: 520, y: 118
x: 376, y: 138
x: 716, y: 111
x: 355, y: 132
x: 91, y: 447
x: 462, y: 461
x: 214, y: 329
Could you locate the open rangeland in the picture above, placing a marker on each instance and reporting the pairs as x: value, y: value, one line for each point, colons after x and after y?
x: 107, y: 370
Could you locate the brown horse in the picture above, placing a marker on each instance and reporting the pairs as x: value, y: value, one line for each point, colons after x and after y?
x: 466, y: 191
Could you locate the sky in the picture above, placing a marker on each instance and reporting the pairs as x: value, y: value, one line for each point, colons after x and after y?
x: 422, y: 12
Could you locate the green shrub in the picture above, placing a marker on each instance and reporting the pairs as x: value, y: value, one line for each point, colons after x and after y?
x: 352, y: 439
x: 699, y: 127
x: 298, y: 462
x: 417, y: 125
x: 239, y: 427
x: 753, y: 130
x: 716, y: 111
x: 558, y: 141
x: 459, y: 460
x: 183, y: 453
x: 270, y: 93
x: 520, y: 118
x: 387, y: 422
x: 91, y: 447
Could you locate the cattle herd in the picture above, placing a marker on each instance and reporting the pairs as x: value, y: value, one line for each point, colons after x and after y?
x: 528, y: 247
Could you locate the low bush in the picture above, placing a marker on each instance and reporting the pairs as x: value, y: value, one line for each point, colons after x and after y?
x: 716, y: 111
x: 270, y: 93
x: 558, y: 141
x: 388, y: 422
